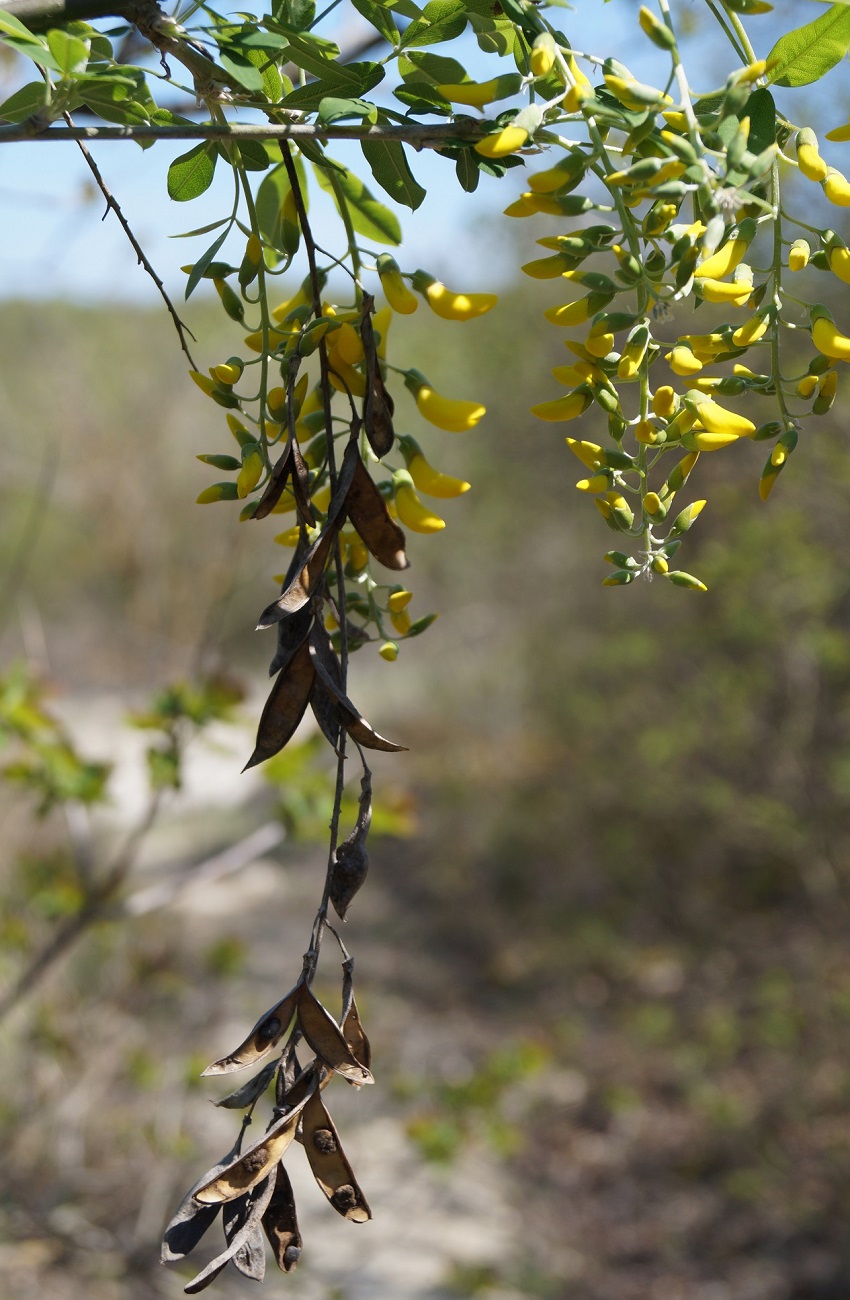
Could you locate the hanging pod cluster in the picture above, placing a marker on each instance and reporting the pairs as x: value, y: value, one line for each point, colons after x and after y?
x: 250, y: 1186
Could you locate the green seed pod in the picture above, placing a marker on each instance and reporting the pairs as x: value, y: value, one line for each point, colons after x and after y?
x: 681, y: 579
x: 659, y: 33
x: 217, y: 492
x: 220, y: 462
x: 230, y: 300
x: 686, y: 519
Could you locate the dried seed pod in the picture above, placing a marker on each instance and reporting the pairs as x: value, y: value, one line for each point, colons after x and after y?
x: 355, y: 1036
x: 367, y: 510
x: 267, y: 1032
x: 281, y: 1223
x: 329, y: 1163
x: 256, y: 1208
x: 250, y: 1091
x: 250, y: 1258
x: 188, y: 1226
x: 305, y: 581
x: 256, y: 1163
x: 327, y: 670
x: 285, y: 706
x: 326, y: 1039
x: 378, y: 405
x: 326, y: 713
x: 291, y: 633
x: 351, y: 861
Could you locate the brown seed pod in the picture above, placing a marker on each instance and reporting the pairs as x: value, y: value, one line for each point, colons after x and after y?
x: 368, y: 512
x: 378, y: 405
x: 351, y: 861
x: 327, y: 670
x: 355, y: 1036
x: 325, y: 1037
x: 243, y: 1230
x: 302, y: 584
x: 256, y: 1163
x: 285, y: 706
x: 291, y: 633
x: 329, y: 1163
x: 267, y: 1032
x: 281, y: 1223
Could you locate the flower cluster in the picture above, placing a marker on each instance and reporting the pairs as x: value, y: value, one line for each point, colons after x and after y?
x: 682, y: 200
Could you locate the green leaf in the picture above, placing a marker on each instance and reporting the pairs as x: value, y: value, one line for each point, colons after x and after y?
x: 442, y: 20
x: 468, y: 170
x: 333, y: 109
x: 71, y: 54
x: 191, y: 174
x: 378, y: 15
x: 202, y: 230
x: 369, y: 217
x: 254, y: 155
x: 241, y: 69
x: 761, y: 110
x: 197, y: 272
x: 252, y: 39
x: 807, y: 53
x: 112, y: 106
x: 297, y: 14
x: 436, y: 69
x: 26, y: 101
x: 422, y: 97
x: 349, y: 82
x: 13, y: 26
x: 389, y: 166
x: 277, y: 232
x: 312, y: 53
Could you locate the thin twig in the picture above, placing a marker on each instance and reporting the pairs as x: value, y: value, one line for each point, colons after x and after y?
x: 420, y: 135
x: 112, y: 202
x: 312, y: 956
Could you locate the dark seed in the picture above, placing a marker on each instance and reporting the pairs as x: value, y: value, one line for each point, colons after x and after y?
x: 291, y: 1256
x: 270, y: 1028
x: 324, y: 1141
x: 344, y: 1198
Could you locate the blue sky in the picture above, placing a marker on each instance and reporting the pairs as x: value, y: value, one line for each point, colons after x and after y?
x: 54, y: 243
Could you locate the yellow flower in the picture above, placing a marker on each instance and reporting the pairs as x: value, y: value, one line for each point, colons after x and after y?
x: 571, y: 313
x: 807, y: 386
x: 683, y: 362
x: 716, y: 419
x: 809, y: 160
x: 827, y: 338
x: 665, y: 402
x: 751, y: 331
x: 836, y: 187
x: 564, y: 408
x: 389, y: 651
x: 736, y: 292
x: 396, y: 291
x: 410, y: 509
x: 455, y: 415
x: 543, y: 54
x: 427, y: 479
x: 452, y: 306
x: 589, y: 453
x: 838, y: 258
x: 501, y: 143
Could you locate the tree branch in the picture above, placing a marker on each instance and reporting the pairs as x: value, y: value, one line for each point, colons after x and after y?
x: 41, y: 15
x: 417, y: 134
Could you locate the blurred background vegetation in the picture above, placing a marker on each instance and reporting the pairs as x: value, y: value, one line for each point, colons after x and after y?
x: 605, y: 947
